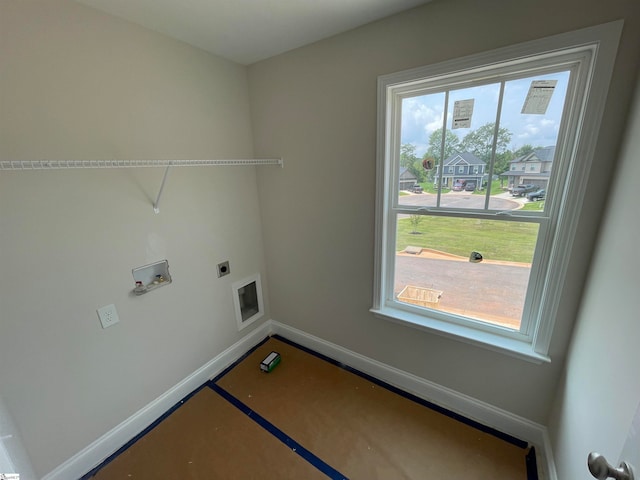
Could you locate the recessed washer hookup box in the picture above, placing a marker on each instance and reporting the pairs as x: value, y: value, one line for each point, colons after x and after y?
x: 270, y: 362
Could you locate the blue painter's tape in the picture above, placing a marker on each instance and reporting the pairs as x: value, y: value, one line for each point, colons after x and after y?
x: 112, y: 457
x: 325, y: 468
x: 231, y: 367
x: 157, y: 422
x: 532, y: 465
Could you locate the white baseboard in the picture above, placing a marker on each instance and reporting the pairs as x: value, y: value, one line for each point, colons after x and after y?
x: 546, y: 456
x: 484, y: 413
x: 91, y: 456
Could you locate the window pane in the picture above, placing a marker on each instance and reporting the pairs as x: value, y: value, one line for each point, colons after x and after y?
x: 532, y: 112
x: 471, y: 117
x: 470, y: 130
x: 525, y: 147
x: 421, y: 117
x: 433, y: 267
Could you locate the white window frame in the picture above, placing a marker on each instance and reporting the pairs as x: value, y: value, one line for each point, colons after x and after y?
x: 596, y: 48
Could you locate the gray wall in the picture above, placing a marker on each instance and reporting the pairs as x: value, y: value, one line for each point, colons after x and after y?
x: 79, y: 84
x: 600, y: 390
x: 316, y: 106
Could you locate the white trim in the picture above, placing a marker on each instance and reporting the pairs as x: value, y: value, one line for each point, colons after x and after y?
x: 94, y: 454
x: 486, y: 339
x: 488, y: 415
x: 550, y: 472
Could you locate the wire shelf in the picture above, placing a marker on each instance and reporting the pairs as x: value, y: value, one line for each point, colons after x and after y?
x: 67, y: 164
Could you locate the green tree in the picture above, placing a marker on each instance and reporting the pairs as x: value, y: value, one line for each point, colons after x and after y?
x: 480, y: 141
x: 407, y: 155
x: 524, y: 150
x: 409, y: 160
x: 451, y: 144
x: 415, y: 221
x: 502, y: 162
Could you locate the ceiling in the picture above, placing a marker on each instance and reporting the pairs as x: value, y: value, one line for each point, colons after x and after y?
x: 247, y: 31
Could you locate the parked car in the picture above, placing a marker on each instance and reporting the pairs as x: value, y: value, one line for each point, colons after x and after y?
x: 537, y: 195
x: 459, y: 185
x: 470, y: 187
x: 522, y: 190
x: 415, y: 188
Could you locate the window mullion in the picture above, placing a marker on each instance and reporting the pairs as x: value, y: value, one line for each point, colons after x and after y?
x: 443, y: 142
x: 492, y: 160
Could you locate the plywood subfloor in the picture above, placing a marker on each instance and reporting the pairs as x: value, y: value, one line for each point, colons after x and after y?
x: 363, y: 430
x: 349, y: 427
x: 208, y: 439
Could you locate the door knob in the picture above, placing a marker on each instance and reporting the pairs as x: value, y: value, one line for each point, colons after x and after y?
x: 600, y: 468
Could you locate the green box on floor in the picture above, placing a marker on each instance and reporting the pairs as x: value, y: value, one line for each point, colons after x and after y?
x: 270, y: 362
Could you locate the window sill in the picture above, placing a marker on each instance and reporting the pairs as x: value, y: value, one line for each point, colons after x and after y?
x: 491, y: 341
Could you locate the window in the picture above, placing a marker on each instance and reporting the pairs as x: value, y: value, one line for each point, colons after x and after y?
x: 486, y: 266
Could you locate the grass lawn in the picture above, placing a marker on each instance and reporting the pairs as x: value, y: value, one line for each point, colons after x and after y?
x: 494, y: 239
x: 496, y: 187
x: 537, y: 206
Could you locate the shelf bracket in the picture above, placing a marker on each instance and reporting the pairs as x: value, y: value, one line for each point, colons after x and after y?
x: 156, y: 207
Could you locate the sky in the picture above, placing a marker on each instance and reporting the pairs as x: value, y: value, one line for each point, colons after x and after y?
x: 421, y: 115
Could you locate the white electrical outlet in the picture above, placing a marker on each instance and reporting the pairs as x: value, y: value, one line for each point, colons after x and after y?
x: 108, y: 315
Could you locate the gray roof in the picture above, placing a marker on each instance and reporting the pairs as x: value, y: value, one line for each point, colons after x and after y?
x: 404, y: 171
x: 467, y: 157
x: 545, y: 154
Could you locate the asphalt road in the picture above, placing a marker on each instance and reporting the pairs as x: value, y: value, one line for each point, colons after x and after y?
x: 463, y: 200
x: 491, y: 290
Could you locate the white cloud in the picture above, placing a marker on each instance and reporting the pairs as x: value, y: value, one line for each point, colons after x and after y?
x: 419, y: 120
x: 539, y: 132
x: 430, y: 118
x: 433, y: 126
x: 530, y: 130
